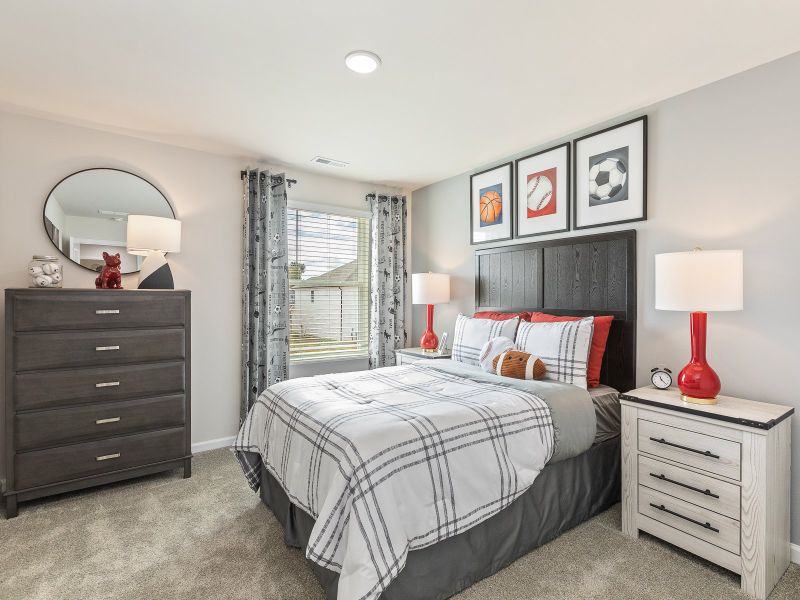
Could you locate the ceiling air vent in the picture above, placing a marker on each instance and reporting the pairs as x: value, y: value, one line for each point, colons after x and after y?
x: 329, y: 162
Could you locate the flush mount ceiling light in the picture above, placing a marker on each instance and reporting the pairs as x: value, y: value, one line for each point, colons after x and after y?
x: 362, y: 61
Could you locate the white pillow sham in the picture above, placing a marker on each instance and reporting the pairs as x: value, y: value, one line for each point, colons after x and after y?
x: 563, y: 347
x: 471, y: 334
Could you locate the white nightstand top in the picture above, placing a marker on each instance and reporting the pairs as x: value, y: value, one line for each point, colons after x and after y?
x: 761, y: 415
x: 420, y: 353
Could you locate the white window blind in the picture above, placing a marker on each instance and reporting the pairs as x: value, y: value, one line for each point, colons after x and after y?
x: 328, y: 285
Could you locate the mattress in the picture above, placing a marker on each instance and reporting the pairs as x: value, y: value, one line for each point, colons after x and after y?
x: 607, y: 412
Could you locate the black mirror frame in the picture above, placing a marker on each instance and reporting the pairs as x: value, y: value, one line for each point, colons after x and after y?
x: 63, y: 179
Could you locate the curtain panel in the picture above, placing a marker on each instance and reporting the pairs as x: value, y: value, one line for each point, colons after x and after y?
x: 265, y: 285
x: 387, y: 327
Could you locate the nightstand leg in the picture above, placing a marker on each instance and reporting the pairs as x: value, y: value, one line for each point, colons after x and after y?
x: 630, y: 473
x: 11, y: 506
x: 187, y: 468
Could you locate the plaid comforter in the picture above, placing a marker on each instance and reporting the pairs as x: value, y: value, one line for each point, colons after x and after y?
x: 392, y: 460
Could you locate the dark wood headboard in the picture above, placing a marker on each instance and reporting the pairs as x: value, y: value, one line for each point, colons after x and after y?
x: 586, y: 275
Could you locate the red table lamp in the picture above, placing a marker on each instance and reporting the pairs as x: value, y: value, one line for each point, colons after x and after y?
x: 699, y: 282
x: 430, y: 289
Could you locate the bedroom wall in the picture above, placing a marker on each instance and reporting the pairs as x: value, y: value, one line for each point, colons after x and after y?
x: 723, y: 173
x: 205, y: 190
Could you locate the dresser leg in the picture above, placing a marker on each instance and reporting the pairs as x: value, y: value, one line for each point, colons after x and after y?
x: 11, y: 506
x: 187, y: 468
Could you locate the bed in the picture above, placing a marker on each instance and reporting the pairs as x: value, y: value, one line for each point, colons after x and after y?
x: 575, y: 475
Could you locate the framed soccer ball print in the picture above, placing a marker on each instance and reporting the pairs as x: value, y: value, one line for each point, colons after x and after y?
x: 490, y: 204
x: 610, y: 176
x: 542, y: 198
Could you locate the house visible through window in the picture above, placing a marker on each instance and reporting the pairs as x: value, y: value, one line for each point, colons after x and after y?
x: 328, y: 285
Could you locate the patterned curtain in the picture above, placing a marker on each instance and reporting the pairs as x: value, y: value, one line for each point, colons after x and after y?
x: 387, y: 326
x: 265, y: 286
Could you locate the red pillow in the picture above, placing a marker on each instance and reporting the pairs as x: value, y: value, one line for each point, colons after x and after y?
x: 602, y: 325
x: 502, y: 316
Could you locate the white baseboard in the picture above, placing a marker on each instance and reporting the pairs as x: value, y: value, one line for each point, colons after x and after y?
x: 795, y: 553
x: 212, y: 444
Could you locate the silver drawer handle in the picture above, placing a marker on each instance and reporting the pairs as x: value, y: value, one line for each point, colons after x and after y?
x: 107, y: 384
x: 107, y: 456
x: 109, y: 420
x: 107, y: 311
x: 105, y: 348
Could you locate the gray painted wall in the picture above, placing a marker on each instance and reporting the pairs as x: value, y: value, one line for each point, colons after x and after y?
x: 724, y: 172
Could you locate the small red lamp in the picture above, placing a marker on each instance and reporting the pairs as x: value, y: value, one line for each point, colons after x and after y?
x: 430, y: 289
x: 699, y: 281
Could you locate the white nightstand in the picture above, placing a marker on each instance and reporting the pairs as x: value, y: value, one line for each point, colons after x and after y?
x: 712, y: 479
x: 405, y: 356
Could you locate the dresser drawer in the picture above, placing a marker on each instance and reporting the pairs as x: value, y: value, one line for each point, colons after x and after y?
x: 707, y: 492
x: 50, y: 389
x: 97, y: 310
x: 42, y: 429
x: 41, y: 467
x: 709, y: 526
x: 94, y: 348
x: 693, y: 448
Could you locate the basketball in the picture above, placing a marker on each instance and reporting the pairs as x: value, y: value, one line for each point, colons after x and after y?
x: 491, y: 207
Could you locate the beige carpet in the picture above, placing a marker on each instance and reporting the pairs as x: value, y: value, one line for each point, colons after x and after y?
x: 163, y: 537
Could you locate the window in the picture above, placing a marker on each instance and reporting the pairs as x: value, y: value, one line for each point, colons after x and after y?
x: 328, y: 285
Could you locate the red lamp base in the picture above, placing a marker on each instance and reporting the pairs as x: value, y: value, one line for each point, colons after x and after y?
x: 697, y: 381
x: 429, y: 341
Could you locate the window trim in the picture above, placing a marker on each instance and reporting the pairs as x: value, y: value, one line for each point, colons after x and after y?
x: 333, y: 209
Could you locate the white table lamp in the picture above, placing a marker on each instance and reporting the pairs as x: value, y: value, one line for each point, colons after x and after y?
x: 152, y: 237
x: 430, y: 289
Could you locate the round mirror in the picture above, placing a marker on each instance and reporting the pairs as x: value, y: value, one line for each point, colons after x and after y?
x: 86, y: 214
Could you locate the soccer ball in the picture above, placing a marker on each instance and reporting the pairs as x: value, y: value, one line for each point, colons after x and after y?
x: 607, y: 178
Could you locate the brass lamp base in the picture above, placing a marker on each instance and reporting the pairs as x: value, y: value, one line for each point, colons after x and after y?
x: 693, y: 400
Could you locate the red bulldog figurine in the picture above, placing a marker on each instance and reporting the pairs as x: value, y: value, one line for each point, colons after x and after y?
x: 111, y: 277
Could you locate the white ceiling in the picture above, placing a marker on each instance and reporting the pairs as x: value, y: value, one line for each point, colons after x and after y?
x: 463, y: 82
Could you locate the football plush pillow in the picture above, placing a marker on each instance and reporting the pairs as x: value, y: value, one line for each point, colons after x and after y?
x: 519, y: 365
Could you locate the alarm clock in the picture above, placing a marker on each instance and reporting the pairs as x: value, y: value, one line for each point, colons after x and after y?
x: 661, y: 377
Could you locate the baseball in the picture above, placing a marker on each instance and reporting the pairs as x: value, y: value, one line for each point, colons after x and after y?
x: 540, y: 192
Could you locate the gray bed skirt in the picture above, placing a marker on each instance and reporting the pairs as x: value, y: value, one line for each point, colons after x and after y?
x: 564, y: 495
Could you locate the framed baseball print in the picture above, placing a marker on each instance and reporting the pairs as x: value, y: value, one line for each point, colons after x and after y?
x: 542, y: 198
x: 610, y: 176
x: 490, y: 204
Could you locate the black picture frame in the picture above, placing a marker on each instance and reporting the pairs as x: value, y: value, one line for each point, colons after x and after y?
x: 510, y: 166
x: 568, y: 195
x: 575, y: 143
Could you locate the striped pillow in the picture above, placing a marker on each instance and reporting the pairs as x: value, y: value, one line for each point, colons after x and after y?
x: 563, y: 347
x: 471, y: 334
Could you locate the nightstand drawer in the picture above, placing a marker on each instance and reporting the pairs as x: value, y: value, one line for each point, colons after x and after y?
x: 707, y: 492
x: 699, y: 450
x: 709, y: 526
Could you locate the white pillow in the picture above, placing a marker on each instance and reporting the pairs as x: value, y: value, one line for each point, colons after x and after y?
x: 494, y: 347
x: 562, y: 346
x: 471, y: 334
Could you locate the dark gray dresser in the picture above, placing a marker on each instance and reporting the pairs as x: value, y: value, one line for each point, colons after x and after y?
x: 97, y: 388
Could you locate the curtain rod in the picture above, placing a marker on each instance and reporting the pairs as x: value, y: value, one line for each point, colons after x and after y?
x: 289, y: 182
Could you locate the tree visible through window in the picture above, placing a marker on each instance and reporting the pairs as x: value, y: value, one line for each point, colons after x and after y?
x: 328, y: 285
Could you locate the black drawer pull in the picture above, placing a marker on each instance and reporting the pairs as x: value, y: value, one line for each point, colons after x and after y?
x: 663, y: 477
x: 705, y: 525
x: 703, y: 452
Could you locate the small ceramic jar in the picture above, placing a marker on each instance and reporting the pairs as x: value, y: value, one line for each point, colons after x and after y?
x: 45, y: 272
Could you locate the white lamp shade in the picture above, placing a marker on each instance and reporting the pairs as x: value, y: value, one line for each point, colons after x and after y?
x: 701, y: 280
x: 153, y: 234
x: 430, y: 288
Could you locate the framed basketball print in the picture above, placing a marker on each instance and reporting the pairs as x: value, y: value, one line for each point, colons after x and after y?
x: 490, y: 204
x: 542, y: 198
x: 610, y: 176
